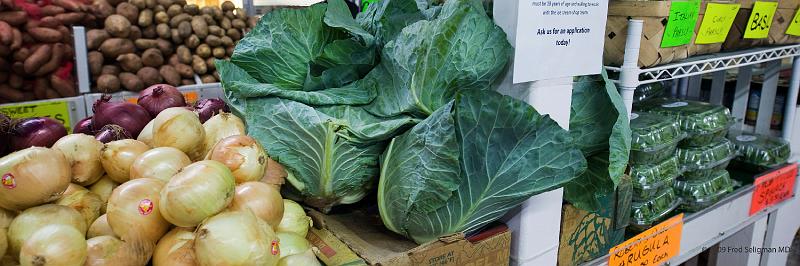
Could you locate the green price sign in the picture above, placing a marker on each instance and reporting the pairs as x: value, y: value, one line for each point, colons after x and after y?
x: 680, y: 27
x: 365, y: 4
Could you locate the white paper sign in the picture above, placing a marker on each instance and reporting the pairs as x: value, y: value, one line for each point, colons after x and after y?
x: 559, y: 38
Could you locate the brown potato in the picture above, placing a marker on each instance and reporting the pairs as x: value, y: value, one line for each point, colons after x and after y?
x: 160, y: 8
x: 39, y: 56
x: 165, y: 2
x: 184, y: 54
x: 140, y: 4
x: 239, y: 24
x: 102, y: 9
x: 252, y: 22
x: 96, y: 37
x: 110, y: 70
x: 226, y: 41
x: 208, y: 79
x: 150, y: 3
x: 161, y: 17
x: 213, y: 41
x: 163, y: 31
x: 184, y: 29
x: 207, y: 10
x: 95, y: 59
x: 185, y: 71
x: 152, y: 57
x: 240, y: 14
x: 191, y: 9
x: 173, y: 60
x: 170, y: 75
x: 150, y: 32
x: 130, y: 62
x: 149, y: 76
x: 211, y: 64
x: 144, y: 44
x: 165, y: 47
x: 174, y: 10
x: 108, y: 83
x: 118, y: 26
x: 209, y: 19
x: 234, y: 34
x: 203, y: 51
x: 131, y: 82
x: 199, y: 65
x: 129, y: 11
x: 175, y: 36
x: 218, y: 52
x: 115, y: 2
x: 193, y: 41
x: 229, y: 51
x: 114, y: 47
x: 145, y: 18
x: 218, y: 15
x: 216, y: 31
x: 185, y: 82
x: 229, y: 14
x: 135, y: 34
x: 200, y: 27
x: 228, y: 6
x: 176, y: 20
x: 225, y: 23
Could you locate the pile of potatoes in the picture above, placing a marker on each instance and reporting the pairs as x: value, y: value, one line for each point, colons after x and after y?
x: 36, y: 51
x: 146, y: 42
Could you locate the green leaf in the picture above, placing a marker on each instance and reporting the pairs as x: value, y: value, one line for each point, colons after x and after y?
x: 507, y: 152
x: 386, y: 18
x: 363, y: 127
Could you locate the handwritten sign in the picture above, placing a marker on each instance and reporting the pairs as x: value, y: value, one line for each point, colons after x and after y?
x: 58, y: 110
x: 794, y: 26
x: 680, y: 27
x: 652, y: 247
x: 760, y: 20
x: 716, y: 23
x: 190, y: 96
x: 773, y: 188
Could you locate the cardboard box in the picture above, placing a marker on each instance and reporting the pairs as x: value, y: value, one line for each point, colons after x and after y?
x: 359, y: 238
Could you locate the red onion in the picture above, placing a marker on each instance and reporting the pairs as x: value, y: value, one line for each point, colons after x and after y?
x: 5, y: 127
x: 129, y: 116
x: 158, y: 97
x: 84, y: 127
x: 37, y: 131
x: 111, y: 133
x: 207, y: 108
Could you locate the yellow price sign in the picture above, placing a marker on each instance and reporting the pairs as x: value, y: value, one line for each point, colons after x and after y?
x: 794, y: 26
x: 716, y: 23
x: 651, y: 247
x: 760, y: 20
x: 58, y: 110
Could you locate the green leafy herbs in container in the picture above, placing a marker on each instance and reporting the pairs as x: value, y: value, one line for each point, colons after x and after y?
x: 703, y: 122
x: 645, y: 214
x: 760, y: 152
x: 700, y: 194
x: 706, y: 157
x: 648, y: 91
x: 649, y: 179
x: 653, y: 138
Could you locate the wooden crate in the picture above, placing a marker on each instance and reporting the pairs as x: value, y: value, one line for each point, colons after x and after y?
x: 777, y: 32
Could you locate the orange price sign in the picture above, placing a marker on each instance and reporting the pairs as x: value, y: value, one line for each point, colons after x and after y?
x: 773, y: 188
x: 651, y: 247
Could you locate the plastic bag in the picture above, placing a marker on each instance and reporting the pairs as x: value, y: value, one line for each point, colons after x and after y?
x: 703, y: 122
x: 706, y: 157
x: 698, y: 194
x: 645, y: 214
x: 649, y: 179
x: 760, y: 152
x: 653, y: 138
x: 648, y: 91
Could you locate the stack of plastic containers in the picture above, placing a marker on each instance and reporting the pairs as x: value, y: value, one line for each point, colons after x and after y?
x: 758, y: 152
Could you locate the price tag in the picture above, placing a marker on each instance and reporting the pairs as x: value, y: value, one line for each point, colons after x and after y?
x: 794, y: 26
x: 760, y: 20
x: 680, y: 27
x: 58, y: 110
x: 190, y: 96
x: 773, y: 188
x: 716, y: 23
x: 652, y: 247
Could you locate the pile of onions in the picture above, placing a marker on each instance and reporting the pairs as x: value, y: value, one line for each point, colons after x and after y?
x: 294, y: 219
x: 103, y: 188
x: 118, y: 156
x: 129, y: 116
x: 146, y: 136
x: 262, y: 199
x: 306, y: 258
x: 111, y: 133
x: 102, y: 250
x: 83, y: 154
x: 256, y: 243
x: 197, y: 192
x: 133, y: 210
x: 55, y: 244
x: 36, y: 132
x: 206, y: 108
x: 292, y: 244
x: 243, y: 155
x: 159, y: 163
x: 33, y: 219
x: 32, y: 176
x: 100, y: 227
x: 221, y: 126
x: 158, y: 97
x: 82, y: 200
x: 176, y: 248
x: 179, y: 128
x: 5, y: 221
x: 84, y: 126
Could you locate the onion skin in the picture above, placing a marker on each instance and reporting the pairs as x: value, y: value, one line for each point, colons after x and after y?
x: 159, y: 163
x: 306, y: 258
x: 146, y: 135
x: 118, y: 156
x: 207, y: 108
x: 82, y: 200
x: 33, y: 219
x: 103, y: 188
x: 275, y: 174
x: 176, y: 248
x: 158, y: 97
x: 83, y: 154
x: 33, y: 176
x: 100, y: 227
x: 131, y: 117
x: 256, y: 243
x: 243, y: 155
x: 294, y: 219
x: 181, y: 129
x: 292, y: 244
x: 133, y: 210
x: 197, y: 192
x: 101, y: 250
x: 219, y: 127
x: 36, y: 132
x: 262, y: 199
x: 111, y: 132
x: 84, y: 127
x: 54, y: 245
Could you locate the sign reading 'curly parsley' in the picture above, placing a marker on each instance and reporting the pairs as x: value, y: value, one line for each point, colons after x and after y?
x: 652, y: 247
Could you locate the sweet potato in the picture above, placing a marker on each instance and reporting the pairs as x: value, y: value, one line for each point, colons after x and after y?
x: 64, y: 87
x: 71, y: 18
x: 163, y: 31
x: 211, y: 64
x: 6, y: 33
x: 184, y: 70
x: 15, y: 81
x: 184, y: 54
x: 130, y: 62
x: 39, y: 56
x: 165, y: 47
x: 4, y: 65
x: 14, y: 18
x: 10, y: 94
x: 199, y: 65
x: 110, y: 69
x: 170, y: 75
x: 145, y: 18
x: 193, y: 41
x: 118, y: 26
x: 191, y: 9
x: 18, y: 68
x: 66, y: 34
x: 203, y: 51
x: 21, y: 54
x: 140, y: 4
x: 69, y: 52
x: 149, y: 76
x: 4, y: 76
x: 176, y: 20
x: 218, y: 52
x: 108, y: 83
x: 161, y: 17
x: 174, y: 10
x: 152, y: 57
x: 200, y: 27
x: 16, y: 43
x: 131, y: 81
x: 114, y: 47
x: 208, y: 79
x: 4, y: 50
x: 68, y: 5
x: 54, y: 62
x: 234, y: 34
x: 136, y: 33
x: 149, y: 32
x: 95, y: 59
x: 50, y: 22
x: 129, y: 11
x: 228, y: 6
x: 51, y: 10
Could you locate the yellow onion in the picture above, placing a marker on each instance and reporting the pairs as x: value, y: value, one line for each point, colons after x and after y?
x: 306, y: 258
x: 3, y: 241
x: 82, y: 200
x: 118, y: 156
x: 262, y: 199
x: 159, y: 163
x: 83, y: 154
x: 6, y: 217
x: 102, y: 250
x: 55, y: 244
x: 275, y: 174
x: 179, y: 128
x: 236, y: 238
x: 176, y: 248
x: 294, y: 219
x: 243, y: 155
x: 103, y: 188
x: 146, y: 136
x: 33, y: 219
x: 133, y: 210
x: 32, y: 176
x: 292, y: 244
x: 199, y: 191
x: 100, y: 227
x: 221, y: 126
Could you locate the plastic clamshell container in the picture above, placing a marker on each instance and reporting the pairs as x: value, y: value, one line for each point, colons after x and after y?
x: 758, y: 152
x: 648, y: 179
x: 706, y: 173
x: 648, y: 91
x: 653, y: 138
x: 706, y: 157
x: 703, y: 122
x: 697, y: 194
x: 645, y: 214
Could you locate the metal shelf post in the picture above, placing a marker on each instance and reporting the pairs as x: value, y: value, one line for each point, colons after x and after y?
x: 791, y: 104
x: 629, y: 75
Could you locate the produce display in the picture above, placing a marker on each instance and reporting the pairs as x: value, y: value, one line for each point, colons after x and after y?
x: 654, y: 138
x: 760, y: 152
x: 649, y: 179
x: 648, y: 213
x: 648, y: 91
x: 698, y: 194
x: 703, y: 122
x: 706, y: 157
